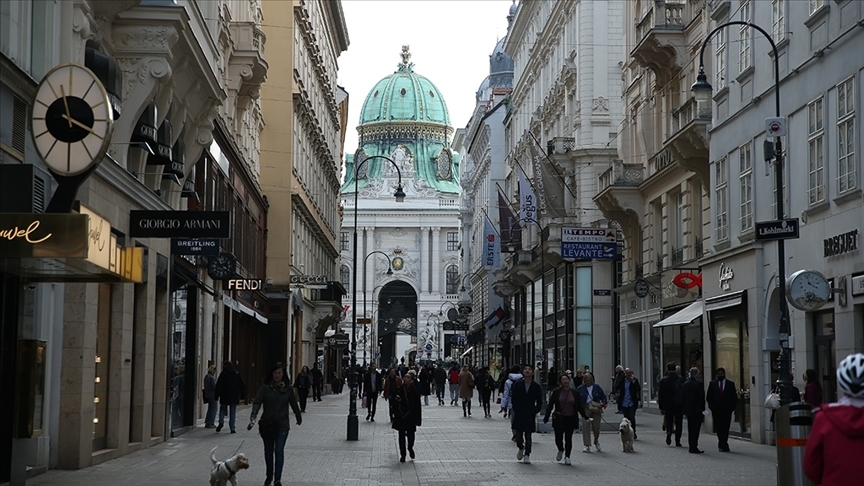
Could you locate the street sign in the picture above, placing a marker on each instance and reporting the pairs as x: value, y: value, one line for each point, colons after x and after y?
x: 458, y: 339
x: 777, y: 230
x: 775, y: 127
x: 338, y: 341
x: 589, y: 243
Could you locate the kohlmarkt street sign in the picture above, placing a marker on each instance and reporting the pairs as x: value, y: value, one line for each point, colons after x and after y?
x: 777, y: 230
x: 338, y: 341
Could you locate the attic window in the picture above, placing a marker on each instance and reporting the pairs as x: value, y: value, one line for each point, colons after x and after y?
x: 403, y: 91
x: 431, y: 93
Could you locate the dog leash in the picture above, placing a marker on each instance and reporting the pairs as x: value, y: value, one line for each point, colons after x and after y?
x: 238, y: 447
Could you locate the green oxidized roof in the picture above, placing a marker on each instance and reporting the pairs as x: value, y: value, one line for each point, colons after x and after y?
x: 405, y: 110
x: 404, y: 96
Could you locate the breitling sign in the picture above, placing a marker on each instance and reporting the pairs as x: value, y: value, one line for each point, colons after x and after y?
x: 179, y: 224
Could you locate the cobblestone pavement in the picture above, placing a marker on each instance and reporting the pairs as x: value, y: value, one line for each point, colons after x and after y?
x: 451, y: 450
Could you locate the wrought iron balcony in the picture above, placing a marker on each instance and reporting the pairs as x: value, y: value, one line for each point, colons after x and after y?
x: 618, y: 195
x: 688, y: 142
x: 677, y: 256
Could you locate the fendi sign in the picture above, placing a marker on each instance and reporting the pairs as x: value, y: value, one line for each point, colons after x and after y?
x: 179, y: 224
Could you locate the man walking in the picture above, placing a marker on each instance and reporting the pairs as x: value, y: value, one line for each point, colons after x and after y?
x: 721, y: 399
x: 454, y: 384
x: 670, y: 398
x: 694, y: 407
x: 616, y: 384
x: 440, y: 377
x: 373, y: 384
x: 317, y: 382
x: 230, y: 389
x: 527, y: 399
x: 629, y: 395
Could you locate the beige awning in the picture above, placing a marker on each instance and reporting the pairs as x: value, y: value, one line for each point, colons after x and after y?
x: 684, y: 316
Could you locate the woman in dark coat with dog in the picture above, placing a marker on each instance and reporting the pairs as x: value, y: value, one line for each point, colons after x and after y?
x: 407, y: 414
x: 275, y: 397
x: 567, y: 409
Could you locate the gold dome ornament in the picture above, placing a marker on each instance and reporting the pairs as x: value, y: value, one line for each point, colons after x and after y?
x: 71, y: 120
x: 398, y: 263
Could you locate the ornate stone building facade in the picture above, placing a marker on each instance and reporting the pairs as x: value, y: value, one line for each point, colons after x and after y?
x: 119, y: 357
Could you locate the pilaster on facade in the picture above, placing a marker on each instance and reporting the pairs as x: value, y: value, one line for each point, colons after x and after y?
x: 436, y: 257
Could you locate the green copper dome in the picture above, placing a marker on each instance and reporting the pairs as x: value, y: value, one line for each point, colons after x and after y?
x: 404, y: 96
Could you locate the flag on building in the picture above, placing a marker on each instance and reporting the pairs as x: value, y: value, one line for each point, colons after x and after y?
x: 496, y: 317
x: 511, y: 232
x: 527, y: 200
x: 491, y: 245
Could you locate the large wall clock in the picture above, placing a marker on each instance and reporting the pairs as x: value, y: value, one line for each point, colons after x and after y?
x: 71, y: 121
x: 807, y: 290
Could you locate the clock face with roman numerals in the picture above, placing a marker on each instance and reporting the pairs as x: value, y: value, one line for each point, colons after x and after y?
x: 71, y: 121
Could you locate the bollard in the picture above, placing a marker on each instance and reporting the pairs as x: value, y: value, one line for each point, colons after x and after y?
x: 792, y: 422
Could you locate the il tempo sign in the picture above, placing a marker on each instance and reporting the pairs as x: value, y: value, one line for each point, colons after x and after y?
x: 244, y: 284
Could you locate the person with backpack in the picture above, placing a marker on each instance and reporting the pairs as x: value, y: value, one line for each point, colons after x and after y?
x: 670, y: 398
x: 440, y: 377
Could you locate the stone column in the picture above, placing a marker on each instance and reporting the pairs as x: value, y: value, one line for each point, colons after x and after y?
x: 436, y: 257
x: 424, y: 260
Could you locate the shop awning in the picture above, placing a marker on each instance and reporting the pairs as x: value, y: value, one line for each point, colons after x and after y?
x: 239, y: 307
x: 684, y: 316
x: 722, y: 302
x: 466, y: 352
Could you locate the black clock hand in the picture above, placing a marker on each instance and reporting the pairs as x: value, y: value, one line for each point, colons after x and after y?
x: 66, y: 105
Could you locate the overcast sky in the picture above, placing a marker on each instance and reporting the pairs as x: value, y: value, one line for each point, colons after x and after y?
x: 450, y: 40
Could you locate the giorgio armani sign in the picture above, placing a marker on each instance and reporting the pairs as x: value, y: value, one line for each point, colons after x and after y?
x: 179, y: 224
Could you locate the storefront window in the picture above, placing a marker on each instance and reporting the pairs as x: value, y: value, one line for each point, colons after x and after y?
x: 693, y: 348
x: 656, y: 360
x: 732, y: 354
x: 178, y: 356
x: 672, y: 346
x: 825, y: 356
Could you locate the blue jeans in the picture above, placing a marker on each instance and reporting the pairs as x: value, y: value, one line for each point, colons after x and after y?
x: 276, y: 446
x: 223, y: 410
x: 212, y: 408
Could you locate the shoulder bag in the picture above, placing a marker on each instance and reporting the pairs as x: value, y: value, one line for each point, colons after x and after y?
x: 772, y: 401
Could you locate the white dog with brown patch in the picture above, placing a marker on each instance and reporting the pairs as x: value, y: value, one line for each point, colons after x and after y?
x: 625, y: 429
x: 225, y: 471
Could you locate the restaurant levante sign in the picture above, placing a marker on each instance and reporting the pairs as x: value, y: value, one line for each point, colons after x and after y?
x: 39, y: 235
x: 179, y: 224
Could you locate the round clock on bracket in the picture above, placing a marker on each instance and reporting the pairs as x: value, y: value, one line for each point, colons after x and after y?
x: 71, y: 120
x: 222, y: 266
x: 807, y: 290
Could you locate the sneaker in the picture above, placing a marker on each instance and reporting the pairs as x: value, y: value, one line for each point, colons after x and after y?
x: 527, y: 459
x: 559, y: 456
x: 219, y: 428
x: 586, y: 449
x: 277, y: 483
x: 520, y: 454
x: 598, y: 447
x: 567, y: 461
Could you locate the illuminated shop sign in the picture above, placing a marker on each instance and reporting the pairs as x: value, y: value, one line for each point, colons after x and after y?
x: 24, y: 235
x: 179, y: 224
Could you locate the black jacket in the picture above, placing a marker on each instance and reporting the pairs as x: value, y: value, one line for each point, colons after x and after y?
x: 230, y: 388
x: 635, y: 392
x: 367, y: 382
x: 526, y: 405
x: 303, y: 381
x: 694, y: 398
x: 666, y: 392
x: 407, y: 413
x: 722, y: 402
x: 557, y: 406
x: 317, y: 376
x: 278, y: 401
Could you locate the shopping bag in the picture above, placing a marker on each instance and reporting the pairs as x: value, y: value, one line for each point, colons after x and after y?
x: 363, y: 403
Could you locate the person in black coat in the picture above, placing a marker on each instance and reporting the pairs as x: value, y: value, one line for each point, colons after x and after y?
x: 568, y: 408
x: 693, y: 409
x: 230, y: 389
x: 484, y: 384
x: 671, y: 405
x: 373, y: 386
x: 527, y: 399
x: 408, y: 414
x: 317, y: 382
x: 424, y: 377
x: 303, y: 383
x: 721, y: 399
x: 626, y: 405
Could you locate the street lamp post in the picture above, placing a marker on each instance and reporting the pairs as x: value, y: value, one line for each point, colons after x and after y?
x: 389, y: 272
x: 702, y: 92
x: 353, y: 422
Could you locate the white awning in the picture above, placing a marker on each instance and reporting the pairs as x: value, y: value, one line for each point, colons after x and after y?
x: 466, y: 352
x: 684, y: 316
x: 725, y: 301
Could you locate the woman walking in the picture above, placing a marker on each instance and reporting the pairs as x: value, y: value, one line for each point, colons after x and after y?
x: 303, y: 384
x: 210, y: 397
x: 484, y: 384
x: 565, y: 408
x: 275, y: 422
x: 407, y: 414
x: 812, y: 389
x: 595, y: 401
x: 466, y: 390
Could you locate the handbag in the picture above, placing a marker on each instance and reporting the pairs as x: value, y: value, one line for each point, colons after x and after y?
x: 595, y: 406
x: 772, y: 401
x: 204, y: 396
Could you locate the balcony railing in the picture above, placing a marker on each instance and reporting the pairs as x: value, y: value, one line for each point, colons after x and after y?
x: 621, y: 174
x: 662, y: 15
x: 689, y: 112
x: 677, y: 256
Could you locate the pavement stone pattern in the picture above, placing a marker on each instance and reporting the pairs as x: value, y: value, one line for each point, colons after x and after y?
x: 451, y: 450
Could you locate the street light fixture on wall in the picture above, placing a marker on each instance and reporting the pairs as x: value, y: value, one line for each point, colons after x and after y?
x: 353, y: 422
x: 702, y: 92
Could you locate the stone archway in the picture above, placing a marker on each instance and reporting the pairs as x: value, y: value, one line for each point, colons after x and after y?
x: 396, y: 321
